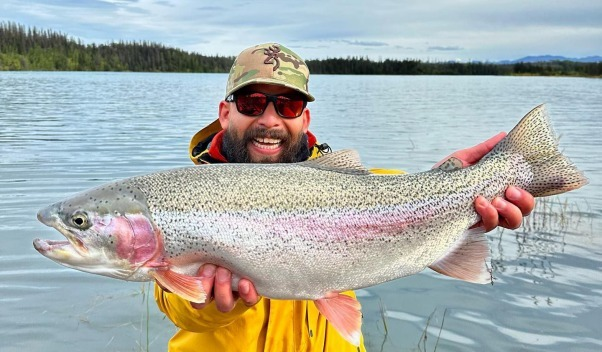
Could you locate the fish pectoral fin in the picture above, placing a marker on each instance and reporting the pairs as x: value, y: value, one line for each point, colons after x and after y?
x: 187, y: 287
x: 344, y: 313
x: 467, y: 259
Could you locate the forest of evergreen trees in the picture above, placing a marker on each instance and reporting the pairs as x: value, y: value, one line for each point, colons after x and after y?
x: 24, y: 48
x: 32, y: 49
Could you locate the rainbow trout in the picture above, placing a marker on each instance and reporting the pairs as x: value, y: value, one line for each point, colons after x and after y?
x: 302, y: 231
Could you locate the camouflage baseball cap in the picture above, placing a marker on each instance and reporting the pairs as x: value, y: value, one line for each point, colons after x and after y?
x: 269, y: 63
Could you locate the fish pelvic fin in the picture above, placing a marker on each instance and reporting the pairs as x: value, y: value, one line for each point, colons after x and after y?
x: 187, y: 287
x: 344, y: 313
x: 534, y: 139
x: 467, y: 259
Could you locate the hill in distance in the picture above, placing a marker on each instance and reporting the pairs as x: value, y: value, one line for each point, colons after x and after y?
x: 548, y: 58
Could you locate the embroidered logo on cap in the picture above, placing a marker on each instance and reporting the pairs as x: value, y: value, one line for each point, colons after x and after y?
x: 272, y: 55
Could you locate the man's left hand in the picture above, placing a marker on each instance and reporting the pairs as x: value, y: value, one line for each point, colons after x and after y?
x: 508, y: 212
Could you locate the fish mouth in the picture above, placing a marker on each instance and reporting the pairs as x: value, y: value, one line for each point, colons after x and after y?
x: 46, y: 246
x: 62, y: 252
x: 43, y: 246
x: 73, y: 245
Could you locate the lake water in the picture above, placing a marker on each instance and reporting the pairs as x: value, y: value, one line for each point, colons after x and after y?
x: 64, y: 132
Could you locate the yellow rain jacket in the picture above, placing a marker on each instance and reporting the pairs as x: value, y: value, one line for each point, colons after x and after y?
x: 269, y: 325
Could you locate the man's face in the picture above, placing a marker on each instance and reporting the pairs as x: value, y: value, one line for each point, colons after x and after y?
x: 267, y: 138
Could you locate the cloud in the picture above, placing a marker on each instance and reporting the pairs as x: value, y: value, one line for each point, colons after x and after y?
x: 438, y: 29
x: 364, y: 43
x: 444, y: 48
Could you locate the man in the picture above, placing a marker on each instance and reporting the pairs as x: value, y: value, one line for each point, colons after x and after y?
x: 264, y: 119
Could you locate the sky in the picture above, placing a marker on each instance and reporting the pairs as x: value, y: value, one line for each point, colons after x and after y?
x: 428, y: 30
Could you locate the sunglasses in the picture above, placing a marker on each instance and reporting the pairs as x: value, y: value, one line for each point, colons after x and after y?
x: 254, y: 104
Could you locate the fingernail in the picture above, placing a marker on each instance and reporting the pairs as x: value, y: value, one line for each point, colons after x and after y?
x: 499, y: 203
x: 481, y: 202
x: 208, y: 271
x: 512, y: 193
x: 244, y: 287
x: 222, y: 275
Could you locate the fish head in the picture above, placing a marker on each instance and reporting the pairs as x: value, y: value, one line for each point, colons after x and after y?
x: 109, y: 232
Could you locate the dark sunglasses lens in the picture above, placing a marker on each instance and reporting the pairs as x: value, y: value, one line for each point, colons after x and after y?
x: 289, y: 108
x: 252, y: 105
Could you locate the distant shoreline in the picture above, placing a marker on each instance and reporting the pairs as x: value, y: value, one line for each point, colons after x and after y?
x: 320, y: 74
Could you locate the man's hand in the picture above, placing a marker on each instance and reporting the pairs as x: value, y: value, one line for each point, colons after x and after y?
x: 507, y: 212
x: 217, y: 282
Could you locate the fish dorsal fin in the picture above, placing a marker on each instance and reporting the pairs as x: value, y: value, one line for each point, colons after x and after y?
x: 467, y: 258
x: 345, y: 161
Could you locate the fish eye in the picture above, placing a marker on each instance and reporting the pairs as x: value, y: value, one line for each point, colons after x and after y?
x: 80, y: 220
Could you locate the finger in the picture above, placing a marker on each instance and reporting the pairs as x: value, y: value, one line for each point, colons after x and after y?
x: 511, y: 215
x: 521, y: 198
x: 474, y: 154
x: 489, y: 215
x: 486, y: 146
x: 207, y: 274
x: 247, y: 292
x: 222, y: 290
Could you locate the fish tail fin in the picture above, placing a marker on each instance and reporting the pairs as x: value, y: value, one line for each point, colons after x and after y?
x: 534, y: 138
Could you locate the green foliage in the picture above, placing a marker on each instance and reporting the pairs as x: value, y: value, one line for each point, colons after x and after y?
x: 33, y: 49
x: 358, y: 65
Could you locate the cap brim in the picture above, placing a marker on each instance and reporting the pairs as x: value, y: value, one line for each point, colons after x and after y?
x: 271, y: 81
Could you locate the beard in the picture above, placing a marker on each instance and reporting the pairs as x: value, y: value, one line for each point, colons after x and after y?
x: 295, y: 148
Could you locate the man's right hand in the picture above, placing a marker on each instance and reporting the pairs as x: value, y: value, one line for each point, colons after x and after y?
x: 217, y: 282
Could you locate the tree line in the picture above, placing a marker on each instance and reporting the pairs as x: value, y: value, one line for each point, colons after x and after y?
x: 361, y: 66
x: 33, y: 49
x: 24, y: 48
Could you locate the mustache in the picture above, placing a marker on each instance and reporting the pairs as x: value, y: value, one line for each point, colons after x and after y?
x: 255, y: 133
x: 235, y: 148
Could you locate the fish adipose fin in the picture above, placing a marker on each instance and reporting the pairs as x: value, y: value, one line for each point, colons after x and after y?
x: 534, y: 139
x: 467, y: 259
x: 187, y: 287
x: 344, y: 313
x: 450, y: 164
x: 345, y: 161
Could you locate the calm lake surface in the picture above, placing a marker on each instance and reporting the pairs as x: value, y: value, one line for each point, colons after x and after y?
x: 61, y: 133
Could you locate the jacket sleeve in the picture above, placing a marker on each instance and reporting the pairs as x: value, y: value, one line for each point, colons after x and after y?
x: 184, y: 316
